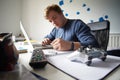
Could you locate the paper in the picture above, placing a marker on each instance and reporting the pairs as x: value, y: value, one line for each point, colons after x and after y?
x: 52, y: 52
x: 77, y: 56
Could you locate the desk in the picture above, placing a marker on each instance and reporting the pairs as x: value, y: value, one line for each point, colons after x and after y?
x: 52, y: 73
x: 48, y: 72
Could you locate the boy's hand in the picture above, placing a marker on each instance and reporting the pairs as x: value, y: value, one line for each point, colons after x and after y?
x: 46, y: 41
x: 60, y: 44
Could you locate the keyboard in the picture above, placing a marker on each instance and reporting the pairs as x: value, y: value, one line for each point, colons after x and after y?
x: 38, y: 59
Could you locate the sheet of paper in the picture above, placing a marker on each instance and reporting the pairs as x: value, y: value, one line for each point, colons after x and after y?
x: 52, y: 52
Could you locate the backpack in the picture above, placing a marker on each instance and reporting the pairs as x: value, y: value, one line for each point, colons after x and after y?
x: 8, y: 52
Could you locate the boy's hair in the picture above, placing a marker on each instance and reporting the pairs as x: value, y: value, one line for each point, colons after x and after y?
x: 53, y: 7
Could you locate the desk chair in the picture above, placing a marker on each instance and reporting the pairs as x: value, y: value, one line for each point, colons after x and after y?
x: 101, y: 32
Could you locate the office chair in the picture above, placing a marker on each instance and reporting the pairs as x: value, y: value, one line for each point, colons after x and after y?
x: 101, y: 32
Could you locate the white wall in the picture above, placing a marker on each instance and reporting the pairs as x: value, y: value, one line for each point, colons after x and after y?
x: 31, y: 14
x: 33, y: 18
x: 38, y: 27
x: 10, y: 15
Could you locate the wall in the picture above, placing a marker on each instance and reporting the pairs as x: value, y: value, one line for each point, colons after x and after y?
x: 87, y: 10
x: 10, y: 14
x: 33, y: 19
x: 31, y: 14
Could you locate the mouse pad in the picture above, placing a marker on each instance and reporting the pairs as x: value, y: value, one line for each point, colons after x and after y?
x: 98, y: 69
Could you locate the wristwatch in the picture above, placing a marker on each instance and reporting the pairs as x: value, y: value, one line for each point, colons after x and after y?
x: 72, y: 47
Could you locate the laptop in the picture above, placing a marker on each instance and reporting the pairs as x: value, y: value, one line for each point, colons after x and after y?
x: 32, y: 46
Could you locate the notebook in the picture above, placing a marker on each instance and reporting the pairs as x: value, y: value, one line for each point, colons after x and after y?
x: 37, y: 45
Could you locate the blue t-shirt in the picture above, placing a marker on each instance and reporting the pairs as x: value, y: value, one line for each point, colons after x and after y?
x: 74, y: 30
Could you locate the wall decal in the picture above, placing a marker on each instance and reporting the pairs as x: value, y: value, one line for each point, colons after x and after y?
x: 78, y: 12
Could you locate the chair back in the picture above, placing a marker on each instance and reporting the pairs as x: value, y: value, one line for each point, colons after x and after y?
x: 101, y: 32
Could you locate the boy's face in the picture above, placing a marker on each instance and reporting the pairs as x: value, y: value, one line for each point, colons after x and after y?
x: 57, y: 19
